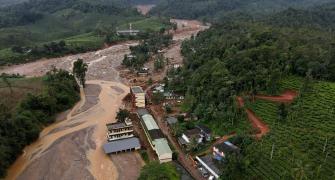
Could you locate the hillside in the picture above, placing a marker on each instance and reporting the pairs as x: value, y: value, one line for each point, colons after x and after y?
x: 82, y: 24
x: 304, y: 140
x: 29, y: 104
x: 4, y: 3
x: 218, y: 9
x: 321, y: 17
x: 242, y: 59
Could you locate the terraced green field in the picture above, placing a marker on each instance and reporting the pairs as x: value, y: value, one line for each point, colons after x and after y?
x: 304, y: 143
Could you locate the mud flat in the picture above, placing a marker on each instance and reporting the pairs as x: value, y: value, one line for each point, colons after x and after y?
x: 58, y: 162
x: 103, y: 63
x: 72, y: 148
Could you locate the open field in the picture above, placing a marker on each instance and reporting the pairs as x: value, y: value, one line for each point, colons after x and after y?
x: 305, y: 140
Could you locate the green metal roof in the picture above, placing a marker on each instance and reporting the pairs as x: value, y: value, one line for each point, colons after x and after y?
x: 149, y: 122
x: 162, y: 146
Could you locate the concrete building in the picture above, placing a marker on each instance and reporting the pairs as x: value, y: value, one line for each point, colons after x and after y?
x: 138, y: 96
x: 123, y: 145
x: 155, y: 136
x: 120, y: 130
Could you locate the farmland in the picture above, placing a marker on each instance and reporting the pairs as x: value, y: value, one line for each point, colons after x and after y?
x: 304, y: 142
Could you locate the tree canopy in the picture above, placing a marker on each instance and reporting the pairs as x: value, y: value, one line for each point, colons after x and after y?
x: 154, y: 171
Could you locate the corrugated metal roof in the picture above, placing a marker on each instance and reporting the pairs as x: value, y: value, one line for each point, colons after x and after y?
x: 123, y: 144
x: 149, y: 122
x: 162, y: 146
x: 142, y: 111
x: 137, y: 89
x: 171, y: 120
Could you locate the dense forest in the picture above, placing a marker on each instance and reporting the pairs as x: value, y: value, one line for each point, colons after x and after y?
x: 214, y: 10
x: 21, y: 123
x: 255, y: 54
x: 319, y: 17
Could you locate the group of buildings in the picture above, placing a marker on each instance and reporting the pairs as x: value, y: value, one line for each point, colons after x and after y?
x: 156, y: 138
x: 120, y: 137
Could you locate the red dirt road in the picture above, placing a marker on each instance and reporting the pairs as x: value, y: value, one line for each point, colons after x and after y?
x: 287, y: 97
x: 256, y: 122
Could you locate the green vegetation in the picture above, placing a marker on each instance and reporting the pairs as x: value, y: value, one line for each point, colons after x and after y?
x: 31, y: 105
x: 141, y: 53
x: 80, y: 25
x: 79, y: 71
x: 217, y: 10
x: 154, y: 171
x: 122, y: 115
x: 304, y: 141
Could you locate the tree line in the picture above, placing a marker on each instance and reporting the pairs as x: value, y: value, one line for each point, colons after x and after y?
x: 23, y: 125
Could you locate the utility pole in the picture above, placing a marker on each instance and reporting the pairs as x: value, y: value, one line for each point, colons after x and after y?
x: 325, y: 145
x: 273, y: 147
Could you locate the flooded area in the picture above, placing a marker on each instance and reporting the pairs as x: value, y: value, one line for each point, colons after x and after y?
x: 71, y: 148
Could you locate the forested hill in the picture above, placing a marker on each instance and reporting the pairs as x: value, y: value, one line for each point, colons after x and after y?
x: 4, y: 3
x: 321, y: 17
x: 33, y: 10
x: 213, y: 9
x: 237, y: 58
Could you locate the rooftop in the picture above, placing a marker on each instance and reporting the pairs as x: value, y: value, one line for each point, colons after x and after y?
x: 171, y: 120
x: 227, y: 147
x: 120, y: 145
x: 204, y: 128
x: 192, y: 132
x: 156, y: 134
x: 149, y: 122
x: 207, y: 162
x: 137, y: 89
x: 162, y: 146
x: 142, y: 111
x: 117, y: 125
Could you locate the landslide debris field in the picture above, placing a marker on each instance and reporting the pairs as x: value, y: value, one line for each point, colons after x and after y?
x: 74, y: 143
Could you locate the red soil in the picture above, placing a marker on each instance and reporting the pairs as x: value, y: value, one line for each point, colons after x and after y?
x: 255, y: 121
x: 287, y: 97
x: 257, y: 124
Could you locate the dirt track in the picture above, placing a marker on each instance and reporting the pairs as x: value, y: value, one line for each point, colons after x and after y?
x: 256, y: 122
x: 286, y: 97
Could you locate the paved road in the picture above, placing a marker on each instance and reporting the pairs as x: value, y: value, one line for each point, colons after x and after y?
x: 186, y: 162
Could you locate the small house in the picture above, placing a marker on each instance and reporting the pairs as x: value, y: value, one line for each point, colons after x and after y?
x: 205, y: 131
x: 190, y: 135
x: 220, y: 150
x: 138, y: 96
x: 206, y: 166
